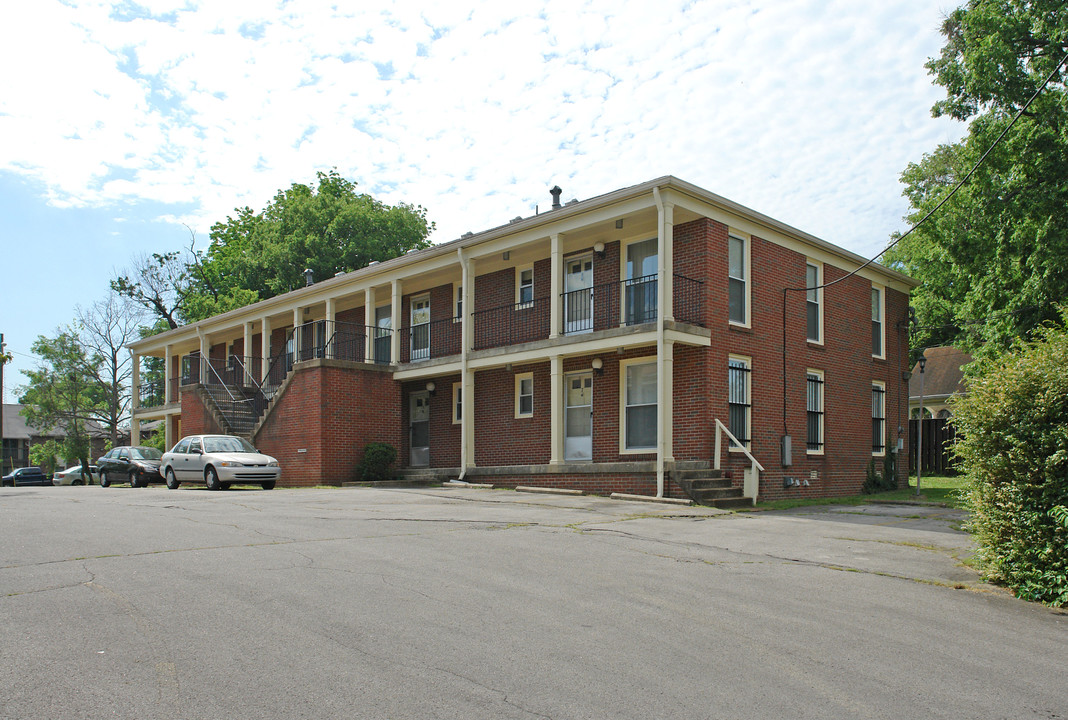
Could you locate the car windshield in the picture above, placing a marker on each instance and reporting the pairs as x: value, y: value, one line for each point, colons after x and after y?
x: 225, y: 444
x: 145, y: 453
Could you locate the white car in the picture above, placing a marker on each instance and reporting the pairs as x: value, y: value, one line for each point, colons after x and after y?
x: 73, y: 476
x: 218, y: 461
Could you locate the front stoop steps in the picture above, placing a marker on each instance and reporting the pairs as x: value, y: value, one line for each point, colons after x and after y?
x: 709, y: 487
x: 239, y: 416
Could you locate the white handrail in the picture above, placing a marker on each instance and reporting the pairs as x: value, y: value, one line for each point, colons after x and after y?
x: 751, y: 480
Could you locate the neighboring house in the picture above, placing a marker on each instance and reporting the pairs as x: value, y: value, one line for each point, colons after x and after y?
x: 19, y: 437
x: 942, y: 378
x: 592, y: 346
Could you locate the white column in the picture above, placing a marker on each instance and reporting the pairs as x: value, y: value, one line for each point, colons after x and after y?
x: 205, y: 353
x: 331, y: 330
x: 556, y: 271
x: 135, y: 381
x: 265, y: 347
x: 467, y: 378
x: 369, y: 323
x: 556, y: 410
x: 168, y: 373
x: 298, y: 320
x: 168, y: 431
x: 395, y: 310
x: 135, y: 431
x: 246, y: 351
x: 665, y: 262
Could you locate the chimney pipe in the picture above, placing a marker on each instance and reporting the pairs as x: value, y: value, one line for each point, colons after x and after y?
x: 308, y: 277
x: 556, y: 192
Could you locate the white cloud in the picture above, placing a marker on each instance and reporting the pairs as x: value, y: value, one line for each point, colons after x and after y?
x: 806, y: 111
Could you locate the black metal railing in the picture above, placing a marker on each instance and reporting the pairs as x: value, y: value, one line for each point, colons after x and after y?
x: 150, y: 394
x: 511, y: 324
x: 689, y: 300
x: 436, y: 339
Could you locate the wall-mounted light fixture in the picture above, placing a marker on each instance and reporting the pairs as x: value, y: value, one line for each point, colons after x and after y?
x: 619, y: 224
x: 508, y: 367
x: 598, y: 366
x: 506, y: 255
x: 431, y: 387
x: 598, y: 249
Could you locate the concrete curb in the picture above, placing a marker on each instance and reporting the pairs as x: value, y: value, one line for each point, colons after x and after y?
x: 462, y: 484
x: 650, y: 498
x: 548, y: 491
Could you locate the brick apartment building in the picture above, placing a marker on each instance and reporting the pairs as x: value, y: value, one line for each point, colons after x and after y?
x: 622, y: 343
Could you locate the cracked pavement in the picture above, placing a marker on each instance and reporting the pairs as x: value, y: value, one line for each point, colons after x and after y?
x: 467, y: 603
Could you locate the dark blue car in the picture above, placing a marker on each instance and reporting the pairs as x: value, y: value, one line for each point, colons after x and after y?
x: 27, y: 476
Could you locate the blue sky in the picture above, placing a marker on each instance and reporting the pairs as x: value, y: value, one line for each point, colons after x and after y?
x: 127, y: 121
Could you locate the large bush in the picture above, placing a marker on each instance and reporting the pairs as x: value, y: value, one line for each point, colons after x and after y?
x: 1013, y: 444
x: 377, y: 459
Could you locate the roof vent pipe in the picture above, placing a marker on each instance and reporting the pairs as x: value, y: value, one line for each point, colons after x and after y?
x: 308, y: 276
x: 556, y: 192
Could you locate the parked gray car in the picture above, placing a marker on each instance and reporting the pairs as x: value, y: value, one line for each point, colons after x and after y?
x: 218, y: 461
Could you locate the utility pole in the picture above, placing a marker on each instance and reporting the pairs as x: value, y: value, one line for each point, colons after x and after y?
x: 3, y: 362
x: 919, y: 428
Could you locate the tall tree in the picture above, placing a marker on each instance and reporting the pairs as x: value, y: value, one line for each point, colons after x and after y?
x: 996, y: 252
x: 61, y: 392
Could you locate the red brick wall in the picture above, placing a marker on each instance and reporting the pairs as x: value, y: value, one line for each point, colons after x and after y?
x: 500, y: 437
x: 196, y: 418
x: 444, y: 435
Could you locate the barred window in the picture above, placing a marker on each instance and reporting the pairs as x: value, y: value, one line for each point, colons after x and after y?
x: 878, y: 419
x: 738, y: 400
x: 814, y: 405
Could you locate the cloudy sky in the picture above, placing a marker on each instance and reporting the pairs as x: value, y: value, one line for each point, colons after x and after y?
x: 122, y: 122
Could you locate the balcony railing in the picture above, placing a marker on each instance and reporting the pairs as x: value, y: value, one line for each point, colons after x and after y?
x: 689, y: 300
x: 436, y: 339
x: 511, y: 324
x: 334, y: 340
x: 150, y: 394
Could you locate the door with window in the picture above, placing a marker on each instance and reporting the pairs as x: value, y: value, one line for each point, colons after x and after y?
x: 419, y: 429
x: 578, y: 421
x: 383, y: 326
x: 578, y: 295
x: 420, y: 328
x: 640, y: 284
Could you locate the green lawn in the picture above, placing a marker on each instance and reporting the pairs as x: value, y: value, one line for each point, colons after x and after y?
x: 933, y: 489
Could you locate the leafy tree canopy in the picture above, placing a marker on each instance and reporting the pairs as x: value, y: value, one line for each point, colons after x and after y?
x: 996, y: 252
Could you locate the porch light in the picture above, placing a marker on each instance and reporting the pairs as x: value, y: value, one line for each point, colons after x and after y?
x: 598, y: 366
x: 598, y: 248
x: 431, y: 387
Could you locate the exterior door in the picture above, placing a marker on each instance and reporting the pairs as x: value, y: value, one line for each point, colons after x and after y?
x: 578, y: 295
x: 383, y: 336
x: 419, y: 428
x: 578, y: 423
x: 420, y: 328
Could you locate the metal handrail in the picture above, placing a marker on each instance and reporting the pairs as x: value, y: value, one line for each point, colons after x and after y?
x: 751, y: 479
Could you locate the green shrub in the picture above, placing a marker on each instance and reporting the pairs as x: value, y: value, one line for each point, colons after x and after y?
x: 1013, y: 446
x: 876, y: 482
x: 377, y: 459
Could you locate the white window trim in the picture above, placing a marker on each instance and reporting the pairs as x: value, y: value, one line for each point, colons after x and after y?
x: 819, y: 302
x: 518, y: 386
x: 823, y: 410
x: 457, y: 398
x: 747, y: 248
x: 882, y: 385
x: 623, y: 365
x: 519, y: 270
x: 882, y: 320
x: 748, y: 398
x: 457, y: 298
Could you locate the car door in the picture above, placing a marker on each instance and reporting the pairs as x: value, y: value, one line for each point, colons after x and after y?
x: 193, y: 461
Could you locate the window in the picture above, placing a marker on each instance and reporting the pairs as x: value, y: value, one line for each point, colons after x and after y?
x: 876, y: 322
x: 813, y: 279
x: 738, y: 399
x: 420, y: 331
x: 639, y: 406
x: 878, y: 418
x: 640, y: 302
x: 736, y: 269
x: 814, y: 406
x: 524, y: 292
x: 458, y: 302
x: 457, y: 403
x: 524, y: 395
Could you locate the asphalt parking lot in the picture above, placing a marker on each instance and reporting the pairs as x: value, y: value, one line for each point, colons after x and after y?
x: 465, y: 603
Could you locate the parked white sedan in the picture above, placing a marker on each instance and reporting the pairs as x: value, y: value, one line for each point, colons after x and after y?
x: 218, y: 461
x: 73, y: 476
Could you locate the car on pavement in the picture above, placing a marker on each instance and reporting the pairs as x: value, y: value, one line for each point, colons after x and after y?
x: 137, y: 465
x: 73, y: 476
x: 218, y: 461
x: 26, y: 476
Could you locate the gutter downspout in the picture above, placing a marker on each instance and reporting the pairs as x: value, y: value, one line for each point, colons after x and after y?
x: 659, y: 344
x: 466, y: 393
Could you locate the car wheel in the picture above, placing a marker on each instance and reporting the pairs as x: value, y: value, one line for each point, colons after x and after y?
x: 134, y: 482
x: 172, y: 482
x: 211, y: 479
x: 77, y: 482
x: 104, y: 482
x: 269, y: 485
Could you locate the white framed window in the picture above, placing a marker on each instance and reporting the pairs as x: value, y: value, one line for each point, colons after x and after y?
x: 878, y: 311
x: 457, y: 403
x: 637, y: 394
x: 878, y: 417
x: 814, y: 437
x: 739, y: 400
x: 524, y: 395
x: 640, y: 261
x: 738, y: 279
x: 524, y: 286
x: 458, y: 302
x: 814, y: 302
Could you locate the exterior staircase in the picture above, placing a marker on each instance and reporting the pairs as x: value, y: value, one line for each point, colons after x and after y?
x: 711, y: 487
x: 236, y: 406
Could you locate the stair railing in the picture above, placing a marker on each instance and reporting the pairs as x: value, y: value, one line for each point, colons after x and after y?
x: 751, y: 475
x: 234, y: 402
